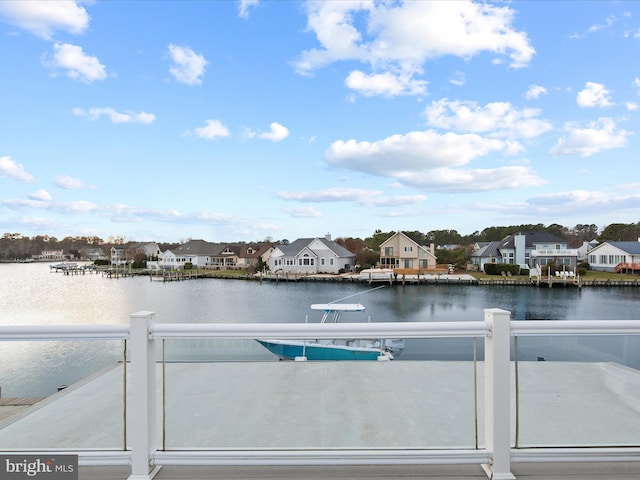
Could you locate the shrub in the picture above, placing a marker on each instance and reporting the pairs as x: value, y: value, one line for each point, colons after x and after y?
x: 498, y: 268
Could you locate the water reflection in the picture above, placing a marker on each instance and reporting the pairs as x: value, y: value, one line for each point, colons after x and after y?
x: 30, y: 294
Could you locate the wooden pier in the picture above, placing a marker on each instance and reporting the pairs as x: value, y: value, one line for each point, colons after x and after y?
x: 174, y: 275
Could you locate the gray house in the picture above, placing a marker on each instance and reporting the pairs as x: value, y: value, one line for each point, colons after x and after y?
x: 534, y: 250
x: 311, y: 255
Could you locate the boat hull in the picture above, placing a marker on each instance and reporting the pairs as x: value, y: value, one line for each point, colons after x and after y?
x: 315, y: 351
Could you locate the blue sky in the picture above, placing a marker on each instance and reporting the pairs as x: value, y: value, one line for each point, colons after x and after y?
x: 248, y: 120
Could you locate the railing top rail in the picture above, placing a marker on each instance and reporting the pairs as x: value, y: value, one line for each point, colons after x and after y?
x: 320, y: 331
x: 575, y: 327
x: 64, y: 332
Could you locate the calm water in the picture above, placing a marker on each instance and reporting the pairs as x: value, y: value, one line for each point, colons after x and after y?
x: 32, y: 295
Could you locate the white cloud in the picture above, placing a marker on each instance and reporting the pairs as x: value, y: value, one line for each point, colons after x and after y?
x: 431, y: 161
x: 594, y: 95
x: 387, y: 84
x: 397, y: 38
x: 302, y: 212
x: 43, y: 17
x: 188, y: 67
x: 422, y: 150
x: 40, y: 195
x: 364, y: 197
x: 610, y: 20
x: 11, y: 169
x: 500, y: 119
x: 581, y: 202
x: 212, y: 129
x: 596, y: 137
x: 458, y: 79
x: 276, y: 133
x: 71, y: 183
x: 115, y: 117
x: 535, y: 91
x: 243, y: 7
x: 472, y: 180
x: 80, y: 206
x: 77, y: 64
x: 631, y: 106
x: 330, y: 195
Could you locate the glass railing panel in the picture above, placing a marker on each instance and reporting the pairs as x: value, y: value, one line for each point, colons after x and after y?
x: 244, y: 403
x: 578, y: 391
x: 65, y: 395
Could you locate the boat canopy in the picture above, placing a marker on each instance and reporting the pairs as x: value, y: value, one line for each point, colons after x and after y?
x: 338, y: 307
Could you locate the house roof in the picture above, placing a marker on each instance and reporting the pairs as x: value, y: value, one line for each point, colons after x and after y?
x: 632, y: 248
x: 487, y: 249
x: 292, y: 249
x: 197, y: 247
x: 531, y: 239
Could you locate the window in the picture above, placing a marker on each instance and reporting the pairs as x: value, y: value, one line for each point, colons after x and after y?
x: 331, y: 261
x: 306, y: 260
x: 408, y: 263
x: 388, y: 251
x: 408, y: 248
x: 322, y: 261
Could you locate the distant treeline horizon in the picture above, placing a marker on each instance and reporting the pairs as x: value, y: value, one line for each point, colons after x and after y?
x: 18, y: 246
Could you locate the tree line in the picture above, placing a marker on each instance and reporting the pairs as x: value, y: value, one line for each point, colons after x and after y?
x: 450, y: 243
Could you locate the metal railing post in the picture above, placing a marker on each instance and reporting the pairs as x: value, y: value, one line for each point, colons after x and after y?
x: 497, y: 412
x: 142, y: 417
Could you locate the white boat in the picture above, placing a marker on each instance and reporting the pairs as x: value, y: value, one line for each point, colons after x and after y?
x: 339, y: 349
x: 63, y: 266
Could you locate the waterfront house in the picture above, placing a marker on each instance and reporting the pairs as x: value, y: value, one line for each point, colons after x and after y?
x: 199, y: 253
x: 311, y: 255
x: 240, y: 255
x: 93, y: 253
x: 127, y: 254
x: 52, y: 255
x: 530, y: 250
x: 401, y: 252
x: 219, y: 256
x: 619, y: 257
x: 483, y: 253
x: 584, y: 250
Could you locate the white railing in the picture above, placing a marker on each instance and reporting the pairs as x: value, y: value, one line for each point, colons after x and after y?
x: 551, y: 252
x: 495, y: 451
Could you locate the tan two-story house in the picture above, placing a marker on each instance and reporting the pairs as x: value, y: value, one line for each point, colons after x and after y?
x: 399, y: 252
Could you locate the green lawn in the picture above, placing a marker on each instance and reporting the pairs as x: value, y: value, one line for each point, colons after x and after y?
x: 590, y: 275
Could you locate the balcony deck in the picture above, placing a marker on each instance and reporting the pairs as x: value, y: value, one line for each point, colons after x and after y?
x: 528, y: 471
x: 284, y: 405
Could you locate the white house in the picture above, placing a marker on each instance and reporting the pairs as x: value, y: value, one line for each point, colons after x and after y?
x: 616, y: 257
x: 311, y: 255
x: 128, y: 254
x: 203, y: 254
x: 52, y: 255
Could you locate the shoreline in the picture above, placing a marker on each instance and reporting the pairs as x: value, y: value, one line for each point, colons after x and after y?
x: 383, y: 277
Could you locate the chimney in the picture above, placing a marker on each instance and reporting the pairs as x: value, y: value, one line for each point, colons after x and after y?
x: 328, y: 236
